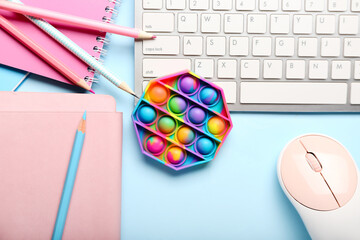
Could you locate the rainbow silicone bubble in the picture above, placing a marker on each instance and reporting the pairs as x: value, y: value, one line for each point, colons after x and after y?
x: 181, y: 120
x: 177, y: 104
x: 216, y: 125
x: 155, y: 144
x: 188, y: 84
x: 158, y: 94
x: 147, y: 114
x: 208, y: 95
x: 185, y: 135
x: 175, y: 155
x: 205, y: 145
x: 166, y: 124
x: 196, y: 115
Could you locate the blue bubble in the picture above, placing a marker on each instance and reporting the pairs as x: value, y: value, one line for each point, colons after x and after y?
x: 205, y: 145
x: 146, y: 114
x: 208, y: 95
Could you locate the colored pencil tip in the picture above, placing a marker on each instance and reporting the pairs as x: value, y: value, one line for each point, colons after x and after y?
x: 84, y: 115
x: 153, y: 37
x: 92, y: 91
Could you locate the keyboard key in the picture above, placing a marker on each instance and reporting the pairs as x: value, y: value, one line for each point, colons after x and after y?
x: 175, y: 4
x: 341, y: 70
x: 215, y: 46
x: 158, y: 22
x: 295, y: 69
x: 357, y: 70
x: 307, y: 47
x: 337, y: 5
x: 352, y: 47
x: 204, y: 67
x: 256, y: 23
x: 210, y: 23
x: 229, y: 89
x: 162, y: 45
x: 227, y: 68
x: 318, y: 69
x: 222, y: 4
x: 285, y: 47
x: 152, y: 4
x: 245, y: 5
x: 187, y: 22
x: 234, y: 23
x: 291, y: 5
x: 159, y: 67
x: 239, y: 46
x: 268, y: 5
x: 293, y: 93
x: 314, y: 5
x: 249, y: 68
x: 193, y: 46
x: 279, y: 24
x: 325, y: 24
x: 355, y: 5
x: 273, y: 69
x: 348, y: 24
x: 330, y: 47
x: 355, y: 93
x: 261, y: 46
x: 303, y: 24
x: 199, y: 4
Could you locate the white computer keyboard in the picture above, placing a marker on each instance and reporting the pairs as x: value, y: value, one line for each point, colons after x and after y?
x: 267, y: 55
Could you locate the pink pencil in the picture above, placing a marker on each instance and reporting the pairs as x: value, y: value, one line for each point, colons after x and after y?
x: 46, y: 56
x: 75, y: 21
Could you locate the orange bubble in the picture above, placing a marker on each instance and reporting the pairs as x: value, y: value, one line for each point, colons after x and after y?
x: 216, y: 125
x: 158, y: 94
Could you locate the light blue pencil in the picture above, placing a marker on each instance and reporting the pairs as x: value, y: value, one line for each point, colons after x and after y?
x: 69, y: 180
x: 78, y: 51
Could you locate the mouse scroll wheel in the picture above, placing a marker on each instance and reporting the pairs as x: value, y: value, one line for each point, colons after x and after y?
x: 313, y: 161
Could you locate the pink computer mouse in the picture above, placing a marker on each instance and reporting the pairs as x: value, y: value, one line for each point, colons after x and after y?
x: 321, y: 180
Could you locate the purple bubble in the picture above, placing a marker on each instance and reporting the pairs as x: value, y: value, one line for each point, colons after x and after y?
x: 196, y: 115
x: 189, y: 84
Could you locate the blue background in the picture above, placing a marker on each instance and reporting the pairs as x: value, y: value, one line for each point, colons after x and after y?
x: 235, y: 196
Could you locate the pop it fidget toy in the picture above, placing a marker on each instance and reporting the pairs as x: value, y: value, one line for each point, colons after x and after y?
x: 181, y: 120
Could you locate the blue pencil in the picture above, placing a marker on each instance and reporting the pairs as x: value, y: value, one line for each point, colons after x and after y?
x: 69, y: 181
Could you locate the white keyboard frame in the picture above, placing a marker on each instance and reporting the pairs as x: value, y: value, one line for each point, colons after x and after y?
x: 139, y: 56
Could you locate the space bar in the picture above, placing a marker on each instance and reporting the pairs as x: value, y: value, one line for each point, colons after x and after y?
x: 293, y: 93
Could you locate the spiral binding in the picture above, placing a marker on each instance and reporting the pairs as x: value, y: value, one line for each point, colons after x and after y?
x: 103, y: 40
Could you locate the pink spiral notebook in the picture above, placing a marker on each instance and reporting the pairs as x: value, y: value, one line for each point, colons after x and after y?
x: 14, y: 54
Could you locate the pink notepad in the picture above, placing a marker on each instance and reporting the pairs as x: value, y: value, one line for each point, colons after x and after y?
x: 35, y: 150
x: 37, y: 131
x: 14, y: 54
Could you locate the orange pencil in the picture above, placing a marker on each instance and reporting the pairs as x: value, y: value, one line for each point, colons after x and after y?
x: 42, y: 53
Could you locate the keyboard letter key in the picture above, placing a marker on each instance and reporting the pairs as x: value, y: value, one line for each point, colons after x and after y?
x: 210, y: 23
x: 256, y: 23
x: 239, y: 46
x: 341, y: 70
x: 204, y: 67
x: 349, y: 24
x: 215, y: 46
x: 352, y: 47
x: 249, y: 68
x: 187, y: 22
x: 234, y: 23
x: 227, y: 68
x: 318, y: 69
x: 229, y: 90
x: 295, y: 69
x: 193, y: 45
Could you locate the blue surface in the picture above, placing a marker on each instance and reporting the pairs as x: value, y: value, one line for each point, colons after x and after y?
x: 236, y: 196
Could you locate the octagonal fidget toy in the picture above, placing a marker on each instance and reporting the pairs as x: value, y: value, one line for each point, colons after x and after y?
x: 181, y: 120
